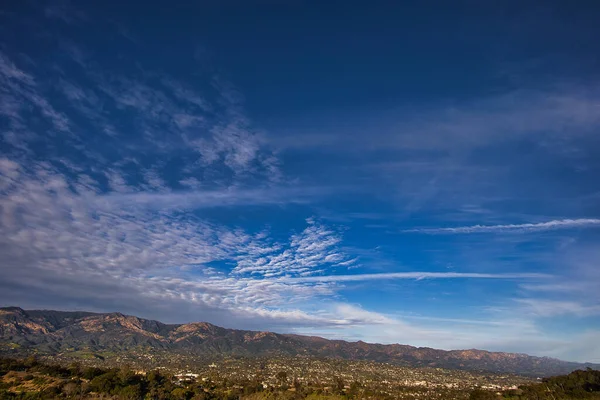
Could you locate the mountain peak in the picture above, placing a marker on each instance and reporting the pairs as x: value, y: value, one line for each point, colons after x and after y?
x: 11, y: 309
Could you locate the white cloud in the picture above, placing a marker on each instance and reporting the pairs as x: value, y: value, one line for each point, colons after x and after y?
x: 309, y: 252
x: 357, y: 315
x: 191, y: 183
x: 418, y: 276
x: 566, y: 287
x: 550, y: 308
x: 57, y: 232
x: 154, y: 181
x: 9, y: 71
x: 232, y: 143
x: 19, y: 92
x: 207, y: 198
x: 540, y: 226
x: 160, y: 115
x: 553, y: 116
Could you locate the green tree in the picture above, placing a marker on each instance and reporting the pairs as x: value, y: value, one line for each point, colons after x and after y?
x: 131, y: 392
x: 282, y: 378
x: 181, y: 394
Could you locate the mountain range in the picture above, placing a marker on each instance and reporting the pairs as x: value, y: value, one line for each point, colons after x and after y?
x: 58, y: 332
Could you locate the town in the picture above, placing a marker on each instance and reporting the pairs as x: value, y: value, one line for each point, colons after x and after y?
x: 324, y: 376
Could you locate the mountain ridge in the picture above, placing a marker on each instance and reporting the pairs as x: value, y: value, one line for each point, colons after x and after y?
x: 53, y: 332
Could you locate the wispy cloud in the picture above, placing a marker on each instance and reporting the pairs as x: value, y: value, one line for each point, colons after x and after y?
x: 309, y: 252
x: 442, y: 156
x: 541, y: 226
x: 212, y: 140
x: 198, y: 198
x: 550, y: 308
x: 20, y: 90
x: 59, y: 231
x: 563, y: 287
x: 416, y: 275
x: 551, y: 115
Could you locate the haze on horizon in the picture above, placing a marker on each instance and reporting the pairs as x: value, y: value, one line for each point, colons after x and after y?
x: 423, y: 174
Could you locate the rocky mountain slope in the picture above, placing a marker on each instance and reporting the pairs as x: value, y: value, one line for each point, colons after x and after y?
x: 53, y: 332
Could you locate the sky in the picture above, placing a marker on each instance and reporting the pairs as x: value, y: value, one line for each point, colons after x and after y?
x: 423, y: 173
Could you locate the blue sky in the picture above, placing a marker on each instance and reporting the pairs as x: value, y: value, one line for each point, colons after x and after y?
x: 423, y: 174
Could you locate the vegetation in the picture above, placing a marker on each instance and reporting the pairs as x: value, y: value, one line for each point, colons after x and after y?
x: 576, y: 385
x: 32, y: 380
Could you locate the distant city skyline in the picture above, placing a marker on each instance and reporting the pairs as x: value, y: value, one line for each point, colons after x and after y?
x: 423, y: 174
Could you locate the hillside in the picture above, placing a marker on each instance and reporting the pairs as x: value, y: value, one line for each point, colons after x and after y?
x: 56, y: 332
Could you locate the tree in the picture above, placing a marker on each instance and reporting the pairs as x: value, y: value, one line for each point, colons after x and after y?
x: 70, y: 389
x: 479, y: 394
x: 282, y: 377
x: 104, y: 383
x: 179, y: 394
x: 31, y: 361
x: 339, y: 385
x: 132, y: 392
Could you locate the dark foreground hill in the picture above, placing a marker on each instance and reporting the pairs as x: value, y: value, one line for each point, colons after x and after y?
x: 57, y: 332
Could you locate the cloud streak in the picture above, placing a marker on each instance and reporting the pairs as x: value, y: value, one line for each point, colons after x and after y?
x: 541, y: 226
x: 416, y: 275
x: 208, y: 198
x: 550, y: 308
